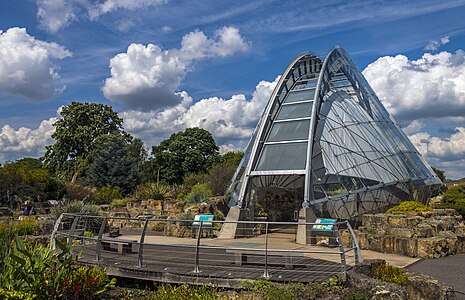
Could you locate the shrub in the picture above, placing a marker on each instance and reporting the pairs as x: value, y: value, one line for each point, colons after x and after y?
x: 384, y: 272
x: 119, y: 202
x: 106, y: 194
x: 79, y: 192
x: 199, y: 193
x: 75, y: 207
x: 410, y: 206
x: 27, y: 226
x: 43, y: 273
x: 151, y: 190
x: 357, y: 294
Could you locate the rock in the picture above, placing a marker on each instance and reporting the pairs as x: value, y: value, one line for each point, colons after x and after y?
x: 406, y: 246
x: 424, y: 230
x: 438, y: 246
x: 414, y: 221
x: 402, y: 232
x: 424, y: 287
x: 388, y: 292
x: 398, y: 221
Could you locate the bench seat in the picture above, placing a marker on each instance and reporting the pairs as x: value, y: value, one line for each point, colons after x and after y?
x: 241, y: 256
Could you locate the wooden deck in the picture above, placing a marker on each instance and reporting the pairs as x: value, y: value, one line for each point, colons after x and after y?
x: 175, y: 264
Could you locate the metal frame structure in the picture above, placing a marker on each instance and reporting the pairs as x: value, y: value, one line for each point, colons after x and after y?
x: 324, y: 124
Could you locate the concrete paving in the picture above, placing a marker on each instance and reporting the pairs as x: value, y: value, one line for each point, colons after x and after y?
x: 450, y: 270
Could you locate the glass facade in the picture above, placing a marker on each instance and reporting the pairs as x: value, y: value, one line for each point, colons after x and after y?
x: 325, y: 128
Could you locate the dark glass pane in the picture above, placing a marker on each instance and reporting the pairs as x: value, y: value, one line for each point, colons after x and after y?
x: 299, y: 96
x: 289, y: 131
x: 290, y: 156
x: 294, y: 111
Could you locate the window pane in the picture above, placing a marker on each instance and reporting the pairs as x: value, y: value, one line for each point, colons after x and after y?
x: 300, y: 110
x: 283, y: 157
x: 299, y: 96
x: 288, y: 131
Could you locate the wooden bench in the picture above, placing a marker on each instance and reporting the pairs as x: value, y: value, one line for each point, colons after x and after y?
x: 241, y: 256
x: 122, y: 246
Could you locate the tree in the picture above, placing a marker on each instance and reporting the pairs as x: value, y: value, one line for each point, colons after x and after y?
x: 27, y: 177
x: 441, y: 176
x: 80, y: 125
x: 113, y: 163
x: 191, y: 151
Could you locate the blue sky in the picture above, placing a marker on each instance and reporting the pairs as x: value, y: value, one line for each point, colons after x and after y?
x: 167, y: 65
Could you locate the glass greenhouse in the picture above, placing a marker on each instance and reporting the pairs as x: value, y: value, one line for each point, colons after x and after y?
x: 326, y: 144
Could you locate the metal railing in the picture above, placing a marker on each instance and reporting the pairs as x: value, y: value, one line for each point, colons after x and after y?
x: 259, y: 249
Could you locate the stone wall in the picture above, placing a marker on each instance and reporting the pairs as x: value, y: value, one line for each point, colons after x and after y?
x: 429, y: 234
x: 168, y: 209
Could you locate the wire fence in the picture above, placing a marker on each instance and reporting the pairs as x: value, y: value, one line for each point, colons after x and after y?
x: 190, y: 247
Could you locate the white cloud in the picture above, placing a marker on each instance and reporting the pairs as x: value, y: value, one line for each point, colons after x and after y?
x: 54, y: 15
x: 25, y: 141
x: 433, y: 45
x: 413, y: 127
x: 432, y: 86
x: 231, y: 121
x: 26, y: 65
x: 444, y: 153
x: 146, y: 76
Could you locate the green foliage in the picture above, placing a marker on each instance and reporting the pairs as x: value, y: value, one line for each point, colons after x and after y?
x: 388, y: 273
x: 43, y: 273
x: 454, y: 194
x: 199, y: 193
x: 155, y: 191
x: 314, y: 290
x: 79, y: 192
x: 119, y: 203
x: 111, y: 163
x: 107, y: 194
x: 357, y: 294
x: 27, y: 177
x: 454, y: 198
x: 220, y: 176
x: 232, y: 158
x: 410, y: 206
x: 191, y: 151
x: 26, y: 226
x: 173, y: 292
x: 75, y: 207
x: 75, y: 133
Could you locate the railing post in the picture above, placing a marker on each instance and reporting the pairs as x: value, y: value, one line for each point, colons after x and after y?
x: 266, y: 274
x: 358, y: 256
x: 140, y: 263
x: 98, y: 249
x: 341, y: 251
x: 199, y: 233
x: 73, y: 229
x: 54, y: 232
x: 83, y: 240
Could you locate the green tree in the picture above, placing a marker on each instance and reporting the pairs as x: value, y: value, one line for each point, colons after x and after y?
x: 27, y: 177
x: 113, y: 163
x: 441, y: 176
x: 191, y: 151
x: 80, y: 125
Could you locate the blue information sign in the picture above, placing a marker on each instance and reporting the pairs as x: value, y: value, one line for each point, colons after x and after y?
x: 324, y: 224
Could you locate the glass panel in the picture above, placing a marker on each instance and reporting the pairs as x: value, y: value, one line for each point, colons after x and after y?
x: 300, y: 110
x: 288, y: 131
x: 290, y: 156
x: 300, y: 96
x: 310, y: 84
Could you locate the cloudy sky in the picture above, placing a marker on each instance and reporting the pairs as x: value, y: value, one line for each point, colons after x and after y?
x: 165, y: 65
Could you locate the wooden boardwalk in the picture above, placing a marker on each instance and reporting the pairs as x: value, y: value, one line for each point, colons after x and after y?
x: 175, y: 264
